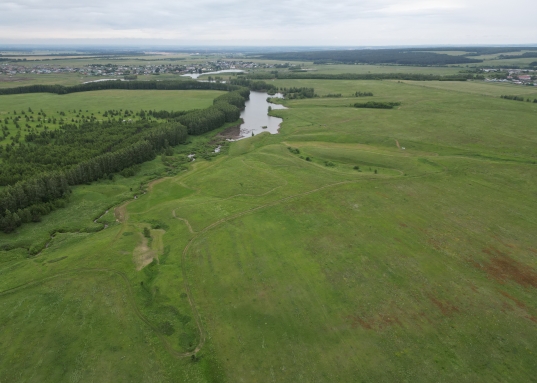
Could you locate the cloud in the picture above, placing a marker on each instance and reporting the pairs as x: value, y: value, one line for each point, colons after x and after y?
x: 287, y: 22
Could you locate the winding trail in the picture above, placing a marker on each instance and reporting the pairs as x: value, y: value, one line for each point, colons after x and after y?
x: 185, y: 221
x: 191, y: 301
x: 122, y: 217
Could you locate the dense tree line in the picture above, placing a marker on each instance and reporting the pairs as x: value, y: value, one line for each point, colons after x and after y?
x: 39, y: 172
x: 479, y: 51
x: 373, y: 56
x: 117, y: 84
x: 523, y: 55
x: 298, y: 93
x: 51, y: 150
x: 28, y: 200
x: 377, y: 105
x: 257, y: 86
x: 225, y: 108
x: 364, y: 76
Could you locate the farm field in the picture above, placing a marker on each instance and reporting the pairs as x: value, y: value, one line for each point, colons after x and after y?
x: 31, y: 79
x: 357, y: 245
x: 85, y: 105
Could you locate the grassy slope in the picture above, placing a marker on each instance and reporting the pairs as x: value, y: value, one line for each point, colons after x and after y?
x: 300, y: 272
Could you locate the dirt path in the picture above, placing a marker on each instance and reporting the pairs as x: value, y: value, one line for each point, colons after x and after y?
x: 185, y: 221
x: 156, y: 182
x: 142, y: 254
x: 120, y: 212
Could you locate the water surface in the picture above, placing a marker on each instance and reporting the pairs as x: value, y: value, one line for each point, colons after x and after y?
x: 255, y: 115
x: 196, y: 75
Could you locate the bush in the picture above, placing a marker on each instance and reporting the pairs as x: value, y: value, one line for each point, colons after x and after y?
x: 147, y: 233
x: 514, y: 98
x: 377, y: 105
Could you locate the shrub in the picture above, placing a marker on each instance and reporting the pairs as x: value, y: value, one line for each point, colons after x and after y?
x: 147, y: 233
x: 377, y: 105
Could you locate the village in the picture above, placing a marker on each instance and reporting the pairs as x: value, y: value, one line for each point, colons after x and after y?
x: 18, y: 68
x: 514, y: 76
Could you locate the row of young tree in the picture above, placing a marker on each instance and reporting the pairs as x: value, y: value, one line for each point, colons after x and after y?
x: 518, y: 98
x: 39, y: 173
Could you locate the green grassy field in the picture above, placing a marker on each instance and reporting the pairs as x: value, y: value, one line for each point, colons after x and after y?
x: 81, y: 106
x: 387, y: 265
x: 31, y: 79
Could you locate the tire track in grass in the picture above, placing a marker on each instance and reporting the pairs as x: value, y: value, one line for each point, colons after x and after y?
x: 217, y: 223
x: 130, y: 295
x: 124, y: 277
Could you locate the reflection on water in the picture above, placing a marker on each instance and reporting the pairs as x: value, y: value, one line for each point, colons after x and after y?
x: 196, y: 75
x: 255, y: 115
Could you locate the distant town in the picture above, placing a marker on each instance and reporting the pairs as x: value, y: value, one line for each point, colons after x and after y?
x: 11, y: 68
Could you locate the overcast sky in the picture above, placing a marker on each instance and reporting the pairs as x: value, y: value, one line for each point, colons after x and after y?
x: 274, y: 22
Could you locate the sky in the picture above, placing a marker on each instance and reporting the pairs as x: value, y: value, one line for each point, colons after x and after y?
x: 269, y: 23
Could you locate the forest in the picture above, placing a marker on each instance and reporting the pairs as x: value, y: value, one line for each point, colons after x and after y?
x: 374, y: 56
x: 38, y: 173
x: 363, y: 76
x: 118, y: 84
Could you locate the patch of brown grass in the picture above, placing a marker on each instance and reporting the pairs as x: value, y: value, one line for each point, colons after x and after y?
x: 377, y: 322
x: 521, y: 305
x: 518, y: 302
x: 446, y: 308
x: 503, y: 268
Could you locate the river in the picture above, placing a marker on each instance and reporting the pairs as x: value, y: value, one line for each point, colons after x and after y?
x: 255, y: 115
x: 196, y: 75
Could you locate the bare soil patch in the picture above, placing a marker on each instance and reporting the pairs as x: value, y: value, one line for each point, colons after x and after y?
x: 143, y: 255
x: 231, y: 133
x: 120, y: 213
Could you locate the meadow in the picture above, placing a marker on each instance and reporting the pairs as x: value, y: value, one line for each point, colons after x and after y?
x: 85, y: 105
x: 402, y: 250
